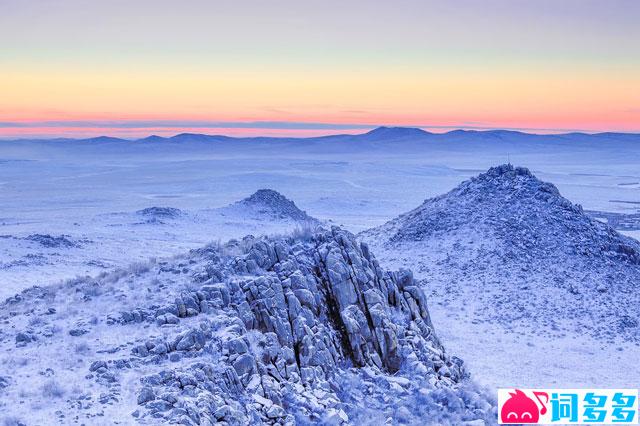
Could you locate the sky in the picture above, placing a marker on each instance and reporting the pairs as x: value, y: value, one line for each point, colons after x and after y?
x: 301, y: 68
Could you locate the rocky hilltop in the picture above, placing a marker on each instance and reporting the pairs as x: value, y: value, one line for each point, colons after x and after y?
x: 529, y: 255
x: 260, y: 331
x: 270, y: 204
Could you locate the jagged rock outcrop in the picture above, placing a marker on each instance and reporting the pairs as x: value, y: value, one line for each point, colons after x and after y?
x: 308, y: 313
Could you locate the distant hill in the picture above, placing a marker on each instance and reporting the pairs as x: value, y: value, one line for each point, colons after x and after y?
x: 527, y: 253
x: 271, y: 205
x: 394, y: 133
x: 103, y: 139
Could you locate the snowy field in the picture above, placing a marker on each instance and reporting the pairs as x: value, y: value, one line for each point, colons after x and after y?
x: 91, y: 190
x: 75, y: 208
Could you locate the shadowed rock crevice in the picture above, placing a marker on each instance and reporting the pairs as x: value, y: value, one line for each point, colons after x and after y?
x: 333, y: 313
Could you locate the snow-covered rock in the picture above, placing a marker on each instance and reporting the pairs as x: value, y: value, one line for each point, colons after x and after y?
x: 271, y: 205
x: 273, y: 331
x: 159, y: 215
x: 160, y: 212
x: 526, y: 255
x: 51, y: 241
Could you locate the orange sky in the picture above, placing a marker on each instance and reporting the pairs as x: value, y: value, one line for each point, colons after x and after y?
x: 68, y: 67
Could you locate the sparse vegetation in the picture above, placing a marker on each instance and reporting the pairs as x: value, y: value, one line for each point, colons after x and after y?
x: 52, y: 389
x: 82, y: 348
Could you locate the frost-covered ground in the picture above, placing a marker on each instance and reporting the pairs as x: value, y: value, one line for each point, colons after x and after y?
x: 91, y: 190
x: 76, y: 208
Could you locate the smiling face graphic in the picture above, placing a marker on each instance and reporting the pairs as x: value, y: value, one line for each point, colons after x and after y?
x: 519, y: 408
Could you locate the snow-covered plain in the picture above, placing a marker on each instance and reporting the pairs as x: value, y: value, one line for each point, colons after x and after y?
x: 92, y: 189
x: 76, y: 208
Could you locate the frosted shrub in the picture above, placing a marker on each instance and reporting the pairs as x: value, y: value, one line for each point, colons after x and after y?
x: 139, y: 268
x: 304, y: 232
x: 36, y: 321
x: 52, y: 389
x: 82, y: 348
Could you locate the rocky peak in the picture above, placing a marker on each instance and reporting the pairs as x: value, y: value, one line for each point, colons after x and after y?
x: 301, y: 329
x: 364, y: 312
x: 267, y: 197
x: 518, y: 240
x: 522, y: 212
x: 272, y: 203
x: 507, y: 171
x: 507, y: 180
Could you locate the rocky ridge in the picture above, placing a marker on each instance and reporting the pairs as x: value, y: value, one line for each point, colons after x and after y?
x: 264, y: 331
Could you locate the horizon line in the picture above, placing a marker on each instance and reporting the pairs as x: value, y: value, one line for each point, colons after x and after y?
x: 213, y: 135
x: 182, y: 127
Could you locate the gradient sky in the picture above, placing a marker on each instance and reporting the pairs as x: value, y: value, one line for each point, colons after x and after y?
x: 133, y: 68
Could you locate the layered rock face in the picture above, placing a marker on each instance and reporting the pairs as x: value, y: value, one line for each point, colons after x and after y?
x: 313, y: 311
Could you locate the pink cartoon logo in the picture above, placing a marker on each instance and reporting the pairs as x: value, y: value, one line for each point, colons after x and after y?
x: 519, y: 408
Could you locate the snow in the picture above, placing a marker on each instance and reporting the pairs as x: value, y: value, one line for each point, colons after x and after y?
x: 93, y: 195
x: 534, y: 279
x: 198, y: 337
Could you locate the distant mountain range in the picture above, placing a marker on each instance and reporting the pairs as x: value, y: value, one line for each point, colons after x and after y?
x: 378, y: 134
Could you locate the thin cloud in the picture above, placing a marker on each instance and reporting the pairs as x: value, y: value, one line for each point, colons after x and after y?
x: 170, y: 124
x: 266, y: 125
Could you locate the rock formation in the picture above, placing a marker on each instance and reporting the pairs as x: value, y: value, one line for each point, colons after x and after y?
x: 529, y: 255
x: 270, y: 204
x: 264, y: 331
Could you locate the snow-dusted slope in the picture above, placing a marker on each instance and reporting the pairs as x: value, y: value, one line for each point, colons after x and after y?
x: 530, y: 256
x: 287, y: 331
x: 104, y: 241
